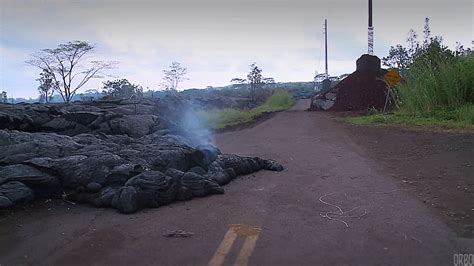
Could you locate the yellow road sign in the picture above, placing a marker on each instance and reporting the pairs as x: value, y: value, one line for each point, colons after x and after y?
x: 392, y: 77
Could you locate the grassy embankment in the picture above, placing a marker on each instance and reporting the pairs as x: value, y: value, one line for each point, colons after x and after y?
x: 224, y: 118
x: 438, y: 91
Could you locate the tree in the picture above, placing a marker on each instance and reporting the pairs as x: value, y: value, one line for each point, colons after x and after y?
x: 397, y: 58
x: 47, y: 86
x: 460, y: 50
x: 426, y: 33
x: 255, y: 80
x: 238, y: 80
x: 121, y: 89
x: 268, y: 80
x: 139, y: 92
x: 4, y: 97
x: 64, y: 63
x: 174, y: 75
x: 434, y: 54
x: 413, y: 43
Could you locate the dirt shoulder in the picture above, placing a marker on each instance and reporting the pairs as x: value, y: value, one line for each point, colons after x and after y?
x: 437, y: 165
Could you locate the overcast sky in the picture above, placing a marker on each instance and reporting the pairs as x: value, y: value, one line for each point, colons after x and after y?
x: 216, y: 40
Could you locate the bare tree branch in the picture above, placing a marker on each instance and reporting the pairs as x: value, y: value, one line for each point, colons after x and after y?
x: 175, y: 75
x: 64, y: 63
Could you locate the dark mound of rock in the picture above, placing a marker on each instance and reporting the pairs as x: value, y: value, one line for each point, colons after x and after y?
x: 362, y: 90
x: 113, y: 118
x: 111, y: 154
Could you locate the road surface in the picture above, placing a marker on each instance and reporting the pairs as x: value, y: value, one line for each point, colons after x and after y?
x: 332, y: 205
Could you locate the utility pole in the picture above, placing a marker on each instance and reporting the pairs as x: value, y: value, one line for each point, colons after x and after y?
x: 370, y: 31
x: 326, y: 46
x: 326, y: 81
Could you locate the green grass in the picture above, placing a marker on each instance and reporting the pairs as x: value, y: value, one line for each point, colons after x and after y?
x: 222, y: 118
x: 459, y: 118
x: 435, y: 85
x: 438, y: 91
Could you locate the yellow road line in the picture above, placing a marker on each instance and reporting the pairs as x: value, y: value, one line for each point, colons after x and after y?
x: 224, y: 248
x: 250, y: 233
x: 246, y: 251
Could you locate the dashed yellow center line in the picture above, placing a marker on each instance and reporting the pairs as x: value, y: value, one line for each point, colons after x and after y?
x: 224, y: 248
x: 246, y: 251
x: 251, y: 234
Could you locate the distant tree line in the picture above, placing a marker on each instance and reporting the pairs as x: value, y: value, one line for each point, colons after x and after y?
x: 65, y: 70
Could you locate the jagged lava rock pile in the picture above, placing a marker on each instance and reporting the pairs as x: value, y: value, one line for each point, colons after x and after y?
x: 111, y: 154
x: 362, y: 90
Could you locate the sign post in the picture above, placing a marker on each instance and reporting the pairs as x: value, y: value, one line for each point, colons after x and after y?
x: 392, y: 78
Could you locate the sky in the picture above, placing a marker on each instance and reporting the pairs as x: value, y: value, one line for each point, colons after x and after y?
x: 216, y: 40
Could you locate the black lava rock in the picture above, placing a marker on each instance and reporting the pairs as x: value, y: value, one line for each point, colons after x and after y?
x: 114, y: 153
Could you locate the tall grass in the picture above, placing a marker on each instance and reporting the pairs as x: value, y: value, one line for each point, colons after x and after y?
x: 222, y: 118
x: 438, y: 90
x: 439, y: 86
x: 278, y: 101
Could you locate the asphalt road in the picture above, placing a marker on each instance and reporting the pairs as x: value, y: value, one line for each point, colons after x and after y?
x: 332, y: 205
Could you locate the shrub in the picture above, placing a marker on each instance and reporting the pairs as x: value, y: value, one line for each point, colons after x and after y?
x: 438, y: 84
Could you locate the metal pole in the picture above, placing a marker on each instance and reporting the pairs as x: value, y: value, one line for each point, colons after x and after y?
x: 326, y: 44
x: 370, y: 37
x: 370, y: 13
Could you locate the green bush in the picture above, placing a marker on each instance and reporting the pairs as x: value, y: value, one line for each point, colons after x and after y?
x: 438, y: 86
x: 438, y: 89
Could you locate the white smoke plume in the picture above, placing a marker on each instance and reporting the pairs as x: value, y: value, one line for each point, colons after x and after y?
x: 194, y: 129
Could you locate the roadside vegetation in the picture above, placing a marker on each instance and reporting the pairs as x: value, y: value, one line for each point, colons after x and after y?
x: 447, y: 120
x: 437, y: 87
x: 223, y: 118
